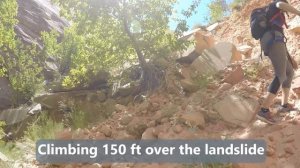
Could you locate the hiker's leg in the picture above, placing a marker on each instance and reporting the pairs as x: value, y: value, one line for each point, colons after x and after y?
x: 279, y: 65
x: 279, y: 62
x: 286, y: 85
x: 268, y: 100
x: 285, y: 96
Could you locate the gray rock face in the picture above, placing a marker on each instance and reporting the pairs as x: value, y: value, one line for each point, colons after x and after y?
x: 5, y: 93
x: 36, y: 16
x: 215, y: 59
x: 17, y: 115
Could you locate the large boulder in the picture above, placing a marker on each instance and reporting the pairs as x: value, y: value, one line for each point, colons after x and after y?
x: 295, y: 25
x: 237, y: 109
x: 36, y: 16
x: 203, y: 41
x: 53, y: 100
x: 188, y: 56
x: 6, y: 93
x: 216, y: 59
x: 17, y: 115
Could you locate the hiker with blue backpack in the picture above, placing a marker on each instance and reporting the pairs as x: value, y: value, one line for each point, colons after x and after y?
x: 267, y: 25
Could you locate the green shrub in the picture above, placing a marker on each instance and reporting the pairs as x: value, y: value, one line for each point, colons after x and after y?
x: 218, y: 9
x: 25, y: 74
x: 43, y: 128
x: 79, y: 119
x: 252, y: 72
x: 18, y: 62
x: 9, y: 149
x: 236, y: 3
x: 203, y: 80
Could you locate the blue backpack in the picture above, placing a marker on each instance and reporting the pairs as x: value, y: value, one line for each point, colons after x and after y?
x: 259, y: 22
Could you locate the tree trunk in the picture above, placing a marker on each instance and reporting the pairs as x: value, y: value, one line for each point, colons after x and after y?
x: 136, y: 47
x: 150, y: 79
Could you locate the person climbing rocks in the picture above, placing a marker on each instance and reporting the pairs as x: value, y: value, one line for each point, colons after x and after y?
x: 273, y: 43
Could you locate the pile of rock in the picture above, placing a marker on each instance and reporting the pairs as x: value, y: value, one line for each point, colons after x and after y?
x: 208, y: 58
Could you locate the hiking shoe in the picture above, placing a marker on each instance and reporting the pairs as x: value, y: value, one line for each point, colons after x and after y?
x: 265, y: 116
x: 286, y: 108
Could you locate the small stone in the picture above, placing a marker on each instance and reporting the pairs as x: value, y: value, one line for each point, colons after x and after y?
x: 212, y: 86
x: 69, y: 166
x: 96, y: 165
x: 151, y: 124
x: 106, y: 165
x: 123, y: 135
x: 148, y: 134
x: 119, y: 165
x: 236, y: 76
x: 164, y: 120
x: 94, y: 129
x: 271, y: 138
x: 99, y: 135
x: 120, y: 108
x: 194, y: 119
x: 126, y: 120
x: 289, y: 140
x: 178, y: 129
x: 270, y: 152
x: 224, y: 87
x: 281, y: 155
x: 289, y: 132
x: 289, y: 150
x: 106, y: 131
x: 294, y: 122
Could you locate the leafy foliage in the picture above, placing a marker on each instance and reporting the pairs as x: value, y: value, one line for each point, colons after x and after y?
x: 25, y: 72
x: 236, y: 3
x: 218, y: 9
x: 107, y: 34
x: 17, y: 61
x: 2, y: 124
x: 43, y: 128
x: 9, y: 149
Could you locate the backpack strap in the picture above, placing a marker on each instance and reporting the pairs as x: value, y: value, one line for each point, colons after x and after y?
x: 261, y: 53
x: 281, y: 15
x: 294, y: 64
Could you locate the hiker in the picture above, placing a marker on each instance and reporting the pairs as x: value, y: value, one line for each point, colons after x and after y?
x: 273, y: 43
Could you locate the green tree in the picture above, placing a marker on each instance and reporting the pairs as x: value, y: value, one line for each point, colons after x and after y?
x: 218, y: 9
x: 8, y: 12
x: 105, y: 34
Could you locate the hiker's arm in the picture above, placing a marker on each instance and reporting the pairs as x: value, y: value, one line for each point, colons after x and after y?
x: 287, y: 8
